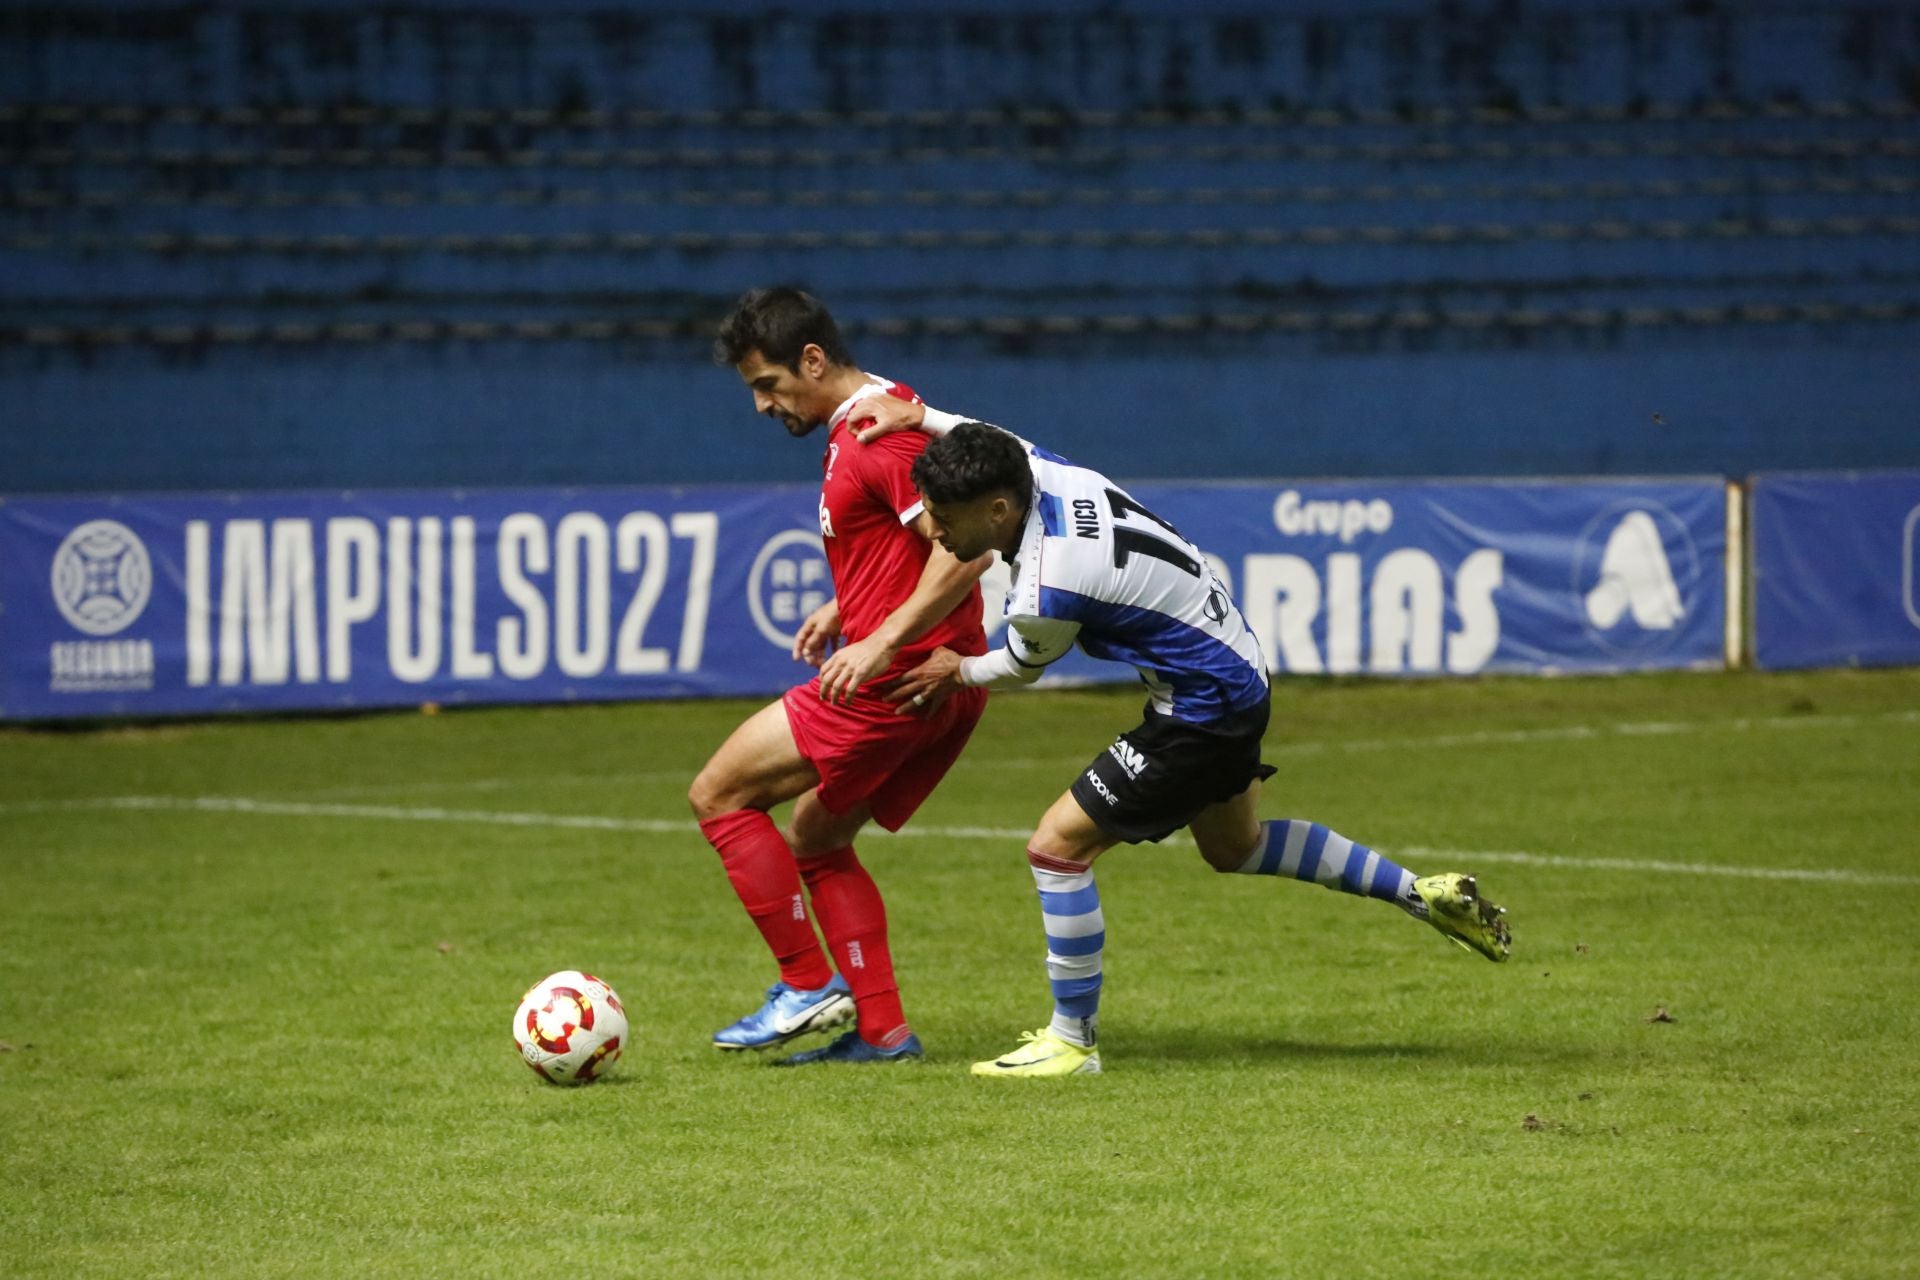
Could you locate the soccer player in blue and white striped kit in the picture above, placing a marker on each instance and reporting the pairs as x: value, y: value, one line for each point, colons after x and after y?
x: 1093, y: 566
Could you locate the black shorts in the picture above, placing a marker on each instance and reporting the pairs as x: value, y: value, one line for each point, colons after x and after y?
x: 1159, y: 775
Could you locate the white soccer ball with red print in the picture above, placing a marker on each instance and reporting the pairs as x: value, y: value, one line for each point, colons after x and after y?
x: 570, y: 1028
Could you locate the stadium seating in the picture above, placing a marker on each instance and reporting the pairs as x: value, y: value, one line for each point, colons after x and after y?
x: 246, y: 193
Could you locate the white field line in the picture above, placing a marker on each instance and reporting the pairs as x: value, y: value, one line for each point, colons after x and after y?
x: 661, y: 826
x: 1489, y: 737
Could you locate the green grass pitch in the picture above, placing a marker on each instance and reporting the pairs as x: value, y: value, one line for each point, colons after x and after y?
x: 255, y: 983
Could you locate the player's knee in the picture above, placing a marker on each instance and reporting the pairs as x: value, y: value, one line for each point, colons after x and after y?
x: 1225, y: 856
x: 711, y: 795
x: 1217, y: 859
x: 1056, y: 856
x: 818, y: 840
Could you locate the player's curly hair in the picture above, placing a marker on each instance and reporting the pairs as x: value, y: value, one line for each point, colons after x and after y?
x: 970, y: 461
x: 779, y: 323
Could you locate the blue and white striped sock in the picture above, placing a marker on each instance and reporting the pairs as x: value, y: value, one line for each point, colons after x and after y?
x: 1309, y: 851
x: 1076, y: 933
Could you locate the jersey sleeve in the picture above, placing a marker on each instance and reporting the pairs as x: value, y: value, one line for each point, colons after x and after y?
x: 1037, y: 642
x: 1032, y: 643
x: 886, y: 472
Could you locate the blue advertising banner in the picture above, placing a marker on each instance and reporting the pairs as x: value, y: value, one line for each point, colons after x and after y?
x: 1399, y: 578
x: 200, y: 603
x: 1834, y: 567
x: 212, y: 602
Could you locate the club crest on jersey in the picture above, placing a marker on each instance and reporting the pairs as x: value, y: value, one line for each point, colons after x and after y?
x: 826, y: 519
x: 1128, y: 757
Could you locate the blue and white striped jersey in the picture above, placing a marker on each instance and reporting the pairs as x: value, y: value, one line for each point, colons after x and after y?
x: 1097, y: 567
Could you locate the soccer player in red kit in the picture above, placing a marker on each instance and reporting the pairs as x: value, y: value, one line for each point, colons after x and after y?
x: 834, y: 745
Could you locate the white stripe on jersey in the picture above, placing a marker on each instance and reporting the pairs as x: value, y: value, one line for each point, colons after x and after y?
x: 1140, y: 592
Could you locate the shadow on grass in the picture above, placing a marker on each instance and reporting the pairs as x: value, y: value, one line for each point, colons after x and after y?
x: 1210, y: 1044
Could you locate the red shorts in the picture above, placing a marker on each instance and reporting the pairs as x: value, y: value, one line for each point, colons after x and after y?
x: 867, y: 751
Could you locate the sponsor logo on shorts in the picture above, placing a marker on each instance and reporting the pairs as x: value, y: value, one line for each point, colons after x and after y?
x: 1129, y: 759
x: 1101, y: 787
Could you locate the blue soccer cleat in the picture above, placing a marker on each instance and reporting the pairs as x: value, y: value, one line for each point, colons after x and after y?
x: 788, y: 1014
x: 851, y: 1048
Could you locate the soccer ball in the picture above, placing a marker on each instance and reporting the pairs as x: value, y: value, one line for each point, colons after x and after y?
x: 570, y: 1028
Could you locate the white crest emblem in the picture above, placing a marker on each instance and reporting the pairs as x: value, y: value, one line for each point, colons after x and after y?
x: 102, y: 577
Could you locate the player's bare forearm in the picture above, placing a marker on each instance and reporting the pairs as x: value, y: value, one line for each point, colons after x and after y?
x: 928, y: 685
x: 944, y: 583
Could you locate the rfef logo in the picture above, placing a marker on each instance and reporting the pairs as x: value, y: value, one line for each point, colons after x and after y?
x: 102, y: 577
x: 788, y: 581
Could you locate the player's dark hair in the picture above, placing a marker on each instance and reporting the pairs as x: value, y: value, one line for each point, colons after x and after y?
x: 971, y: 461
x: 778, y: 323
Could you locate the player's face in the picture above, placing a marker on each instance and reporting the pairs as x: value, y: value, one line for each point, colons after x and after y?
x: 969, y: 529
x: 792, y: 396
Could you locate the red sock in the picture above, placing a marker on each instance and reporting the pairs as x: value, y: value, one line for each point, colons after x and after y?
x: 855, y: 921
x: 762, y: 870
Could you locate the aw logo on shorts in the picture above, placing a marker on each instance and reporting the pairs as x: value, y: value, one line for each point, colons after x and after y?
x: 788, y: 581
x: 1636, y: 576
x: 102, y: 577
x: 1128, y: 757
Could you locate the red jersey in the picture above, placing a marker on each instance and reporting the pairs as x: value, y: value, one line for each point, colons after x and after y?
x: 867, y: 508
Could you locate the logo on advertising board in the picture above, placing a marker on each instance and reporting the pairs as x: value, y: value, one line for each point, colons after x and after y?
x: 788, y: 581
x: 1636, y: 576
x: 101, y: 579
x: 1910, y: 552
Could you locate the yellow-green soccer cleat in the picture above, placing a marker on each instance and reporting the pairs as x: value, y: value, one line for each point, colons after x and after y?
x: 1042, y: 1053
x: 1455, y: 908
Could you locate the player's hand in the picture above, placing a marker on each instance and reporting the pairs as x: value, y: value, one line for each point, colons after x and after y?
x: 922, y: 690
x: 853, y: 666
x: 882, y: 415
x: 818, y: 634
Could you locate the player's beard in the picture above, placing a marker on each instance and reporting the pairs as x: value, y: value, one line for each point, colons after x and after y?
x: 797, y: 427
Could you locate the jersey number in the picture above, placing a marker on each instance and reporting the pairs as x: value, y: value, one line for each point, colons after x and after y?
x: 1131, y: 538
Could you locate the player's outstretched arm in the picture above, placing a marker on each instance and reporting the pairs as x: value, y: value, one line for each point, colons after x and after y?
x: 878, y: 416
x: 1032, y: 644
x: 875, y: 416
x: 944, y: 583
